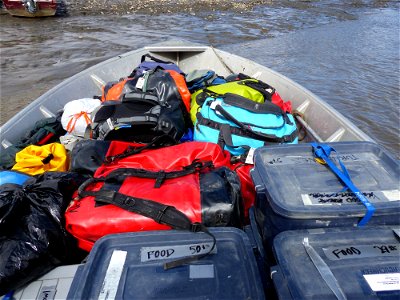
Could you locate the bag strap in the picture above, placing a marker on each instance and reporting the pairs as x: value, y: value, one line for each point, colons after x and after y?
x: 158, y: 141
x: 322, y: 152
x: 265, y: 89
x: 255, y: 107
x: 120, y: 174
x: 240, y: 76
x: 141, y: 96
x: 163, y: 214
x: 225, y: 138
x: 246, y: 133
x: 251, y: 132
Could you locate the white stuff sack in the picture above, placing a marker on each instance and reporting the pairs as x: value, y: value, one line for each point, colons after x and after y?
x: 77, y: 115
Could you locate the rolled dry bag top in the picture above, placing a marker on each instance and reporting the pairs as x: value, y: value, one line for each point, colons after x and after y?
x: 36, y: 160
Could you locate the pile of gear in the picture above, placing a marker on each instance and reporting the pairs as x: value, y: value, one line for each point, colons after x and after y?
x: 158, y: 149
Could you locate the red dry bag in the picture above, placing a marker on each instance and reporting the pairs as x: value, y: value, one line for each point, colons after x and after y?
x: 192, y: 178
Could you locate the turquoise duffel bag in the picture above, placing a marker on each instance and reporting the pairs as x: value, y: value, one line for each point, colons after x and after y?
x: 238, y: 124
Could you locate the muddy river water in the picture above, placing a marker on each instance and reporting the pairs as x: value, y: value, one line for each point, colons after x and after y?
x: 346, y: 52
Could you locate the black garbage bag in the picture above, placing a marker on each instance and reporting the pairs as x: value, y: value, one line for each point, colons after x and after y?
x: 32, y: 236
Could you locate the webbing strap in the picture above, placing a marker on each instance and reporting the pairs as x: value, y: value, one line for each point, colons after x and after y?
x: 240, y: 132
x: 140, y: 96
x: 137, y: 119
x: 185, y: 260
x: 324, y: 270
x: 323, y: 151
x: 228, y: 116
x: 245, y: 131
x: 266, y: 90
x: 255, y: 107
x: 158, y: 141
x: 162, y: 214
x: 120, y: 174
x: 225, y: 138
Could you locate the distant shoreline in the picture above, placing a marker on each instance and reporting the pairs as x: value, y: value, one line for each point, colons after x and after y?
x: 121, y: 7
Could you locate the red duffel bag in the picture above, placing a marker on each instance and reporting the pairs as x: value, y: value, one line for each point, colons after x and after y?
x: 131, y: 193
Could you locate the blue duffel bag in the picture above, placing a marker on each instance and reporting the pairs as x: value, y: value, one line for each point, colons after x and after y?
x: 239, y: 124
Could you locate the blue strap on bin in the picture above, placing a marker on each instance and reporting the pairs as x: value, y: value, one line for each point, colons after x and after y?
x: 322, y: 151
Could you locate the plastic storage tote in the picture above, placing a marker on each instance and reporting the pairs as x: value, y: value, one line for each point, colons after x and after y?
x: 130, y: 266
x: 295, y: 192
x: 338, y: 263
x: 53, y: 285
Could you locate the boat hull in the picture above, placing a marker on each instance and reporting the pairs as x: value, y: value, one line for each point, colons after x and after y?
x: 44, y: 8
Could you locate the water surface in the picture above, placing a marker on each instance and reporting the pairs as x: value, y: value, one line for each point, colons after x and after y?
x: 347, y: 52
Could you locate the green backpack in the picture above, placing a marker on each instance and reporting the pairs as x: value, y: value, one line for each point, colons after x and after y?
x: 252, y: 89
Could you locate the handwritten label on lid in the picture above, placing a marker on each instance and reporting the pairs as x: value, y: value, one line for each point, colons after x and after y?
x: 339, y: 198
x: 177, y: 251
x: 310, y: 159
x: 361, y: 251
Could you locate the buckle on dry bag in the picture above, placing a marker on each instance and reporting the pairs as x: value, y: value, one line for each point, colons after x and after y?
x: 196, y: 227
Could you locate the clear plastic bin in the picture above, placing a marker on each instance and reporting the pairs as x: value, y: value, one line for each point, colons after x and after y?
x: 338, y: 263
x: 130, y: 266
x: 295, y: 192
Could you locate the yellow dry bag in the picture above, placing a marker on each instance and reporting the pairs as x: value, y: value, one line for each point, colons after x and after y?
x: 34, y: 160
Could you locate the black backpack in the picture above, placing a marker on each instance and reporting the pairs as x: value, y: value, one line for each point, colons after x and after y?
x: 142, y: 114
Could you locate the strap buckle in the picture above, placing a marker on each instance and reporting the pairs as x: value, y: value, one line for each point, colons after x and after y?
x: 161, y: 176
x: 196, y: 227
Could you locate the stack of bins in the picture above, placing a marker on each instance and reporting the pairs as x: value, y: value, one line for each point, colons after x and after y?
x: 130, y: 266
x: 295, y: 192
x: 309, y: 223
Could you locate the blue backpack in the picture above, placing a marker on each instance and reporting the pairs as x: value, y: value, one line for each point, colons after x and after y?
x: 237, y: 123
